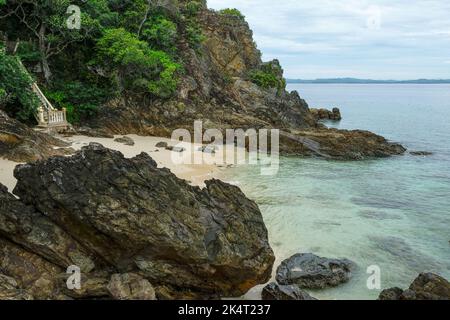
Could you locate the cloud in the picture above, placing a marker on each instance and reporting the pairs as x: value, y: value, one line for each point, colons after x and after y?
x: 370, y: 37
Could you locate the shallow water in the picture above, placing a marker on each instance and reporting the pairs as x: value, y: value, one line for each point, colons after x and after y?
x: 393, y: 213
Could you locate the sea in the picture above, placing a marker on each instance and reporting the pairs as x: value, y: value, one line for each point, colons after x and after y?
x: 390, y: 216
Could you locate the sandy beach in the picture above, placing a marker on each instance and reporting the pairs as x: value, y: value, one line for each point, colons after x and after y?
x: 195, y: 174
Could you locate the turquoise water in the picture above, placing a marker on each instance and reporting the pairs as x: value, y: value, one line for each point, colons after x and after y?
x: 393, y: 213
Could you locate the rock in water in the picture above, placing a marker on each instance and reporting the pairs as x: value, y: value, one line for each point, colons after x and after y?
x: 125, y: 140
x: 274, y: 291
x: 21, y: 144
x: 427, y: 286
x: 312, y: 272
x: 141, y: 219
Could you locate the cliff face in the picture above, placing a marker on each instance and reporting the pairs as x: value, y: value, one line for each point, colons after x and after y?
x: 214, y: 88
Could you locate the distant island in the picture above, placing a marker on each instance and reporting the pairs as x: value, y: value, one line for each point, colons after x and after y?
x: 369, y: 81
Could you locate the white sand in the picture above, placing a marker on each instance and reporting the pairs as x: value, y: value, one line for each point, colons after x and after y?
x: 196, y: 174
x: 6, y: 173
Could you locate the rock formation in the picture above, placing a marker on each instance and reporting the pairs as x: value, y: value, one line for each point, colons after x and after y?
x: 131, y: 228
x: 427, y: 286
x: 21, y: 144
x: 324, y: 114
x: 274, y: 291
x: 309, y: 271
x: 217, y: 89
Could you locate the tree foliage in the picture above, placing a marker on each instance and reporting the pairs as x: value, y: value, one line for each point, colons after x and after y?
x: 15, y: 88
x: 232, y: 12
x: 123, y: 46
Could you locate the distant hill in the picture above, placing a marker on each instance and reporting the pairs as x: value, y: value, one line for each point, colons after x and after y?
x: 369, y: 81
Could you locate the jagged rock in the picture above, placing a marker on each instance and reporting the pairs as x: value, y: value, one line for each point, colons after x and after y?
x: 125, y: 140
x: 312, y: 272
x: 9, y: 290
x: 421, y: 153
x: 130, y: 286
x: 324, y: 114
x: 391, y: 294
x: 141, y: 219
x: 338, y: 144
x: 22, y: 144
x: 37, y: 233
x: 162, y: 145
x: 427, y: 286
x: 93, y: 132
x: 274, y: 291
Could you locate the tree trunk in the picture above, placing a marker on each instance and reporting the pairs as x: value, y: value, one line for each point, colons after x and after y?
x: 44, y: 59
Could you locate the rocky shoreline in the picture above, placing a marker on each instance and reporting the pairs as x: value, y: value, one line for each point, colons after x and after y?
x: 124, y: 220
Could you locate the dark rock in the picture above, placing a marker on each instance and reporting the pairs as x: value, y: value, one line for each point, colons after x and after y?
x: 22, y: 144
x: 337, y: 144
x: 139, y: 219
x: 324, y: 114
x: 427, y: 286
x: 162, y: 145
x: 125, y: 140
x: 391, y: 294
x: 94, y: 133
x: 176, y: 149
x: 23, y: 225
x: 274, y: 291
x: 309, y: 271
x: 421, y: 153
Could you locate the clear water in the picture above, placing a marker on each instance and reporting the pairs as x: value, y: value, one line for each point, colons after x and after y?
x: 393, y: 213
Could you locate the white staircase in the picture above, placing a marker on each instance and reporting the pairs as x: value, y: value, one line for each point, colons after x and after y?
x: 48, y: 117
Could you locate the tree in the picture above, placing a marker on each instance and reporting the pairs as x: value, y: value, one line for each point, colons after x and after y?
x: 45, y: 21
x: 138, y: 67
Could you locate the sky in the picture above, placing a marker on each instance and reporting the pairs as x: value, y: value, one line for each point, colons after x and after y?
x: 376, y: 39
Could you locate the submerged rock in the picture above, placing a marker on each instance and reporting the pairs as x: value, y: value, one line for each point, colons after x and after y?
x: 427, y: 286
x: 125, y: 140
x: 135, y: 218
x: 274, y: 291
x: 312, y: 272
x: 421, y: 153
x: 22, y: 144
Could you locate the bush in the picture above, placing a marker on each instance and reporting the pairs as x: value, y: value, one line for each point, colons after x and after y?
x: 232, y: 12
x: 139, y: 67
x: 161, y: 34
x: 268, y: 77
x: 80, y: 99
x: 15, y: 88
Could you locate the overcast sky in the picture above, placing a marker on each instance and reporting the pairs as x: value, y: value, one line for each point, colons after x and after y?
x: 378, y: 39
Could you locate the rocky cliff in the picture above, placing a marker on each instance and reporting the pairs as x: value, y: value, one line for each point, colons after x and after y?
x: 216, y: 88
x: 126, y: 223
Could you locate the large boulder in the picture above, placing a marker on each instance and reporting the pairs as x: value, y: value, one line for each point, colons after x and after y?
x: 21, y: 144
x: 274, y: 291
x: 309, y: 271
x: 136, y: 218
x: 427, y: 286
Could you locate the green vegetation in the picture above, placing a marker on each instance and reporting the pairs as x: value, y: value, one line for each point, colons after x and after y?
x: 268, y: 77
x: 15, y: 88
x: 122, y: 47
x: 232, y: 12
